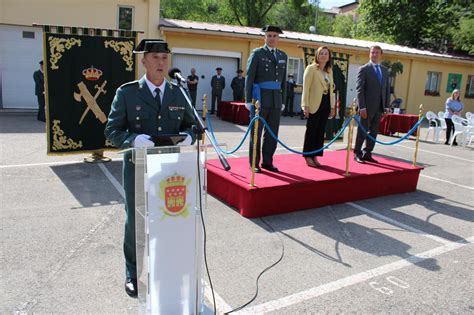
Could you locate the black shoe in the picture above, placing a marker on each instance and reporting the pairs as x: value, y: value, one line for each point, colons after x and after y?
x: 359, y: 159
x: 455, y: 143
x: 369, y: 158
x: 131, y: 287
x: 257, y: 169
x: 270, y: 168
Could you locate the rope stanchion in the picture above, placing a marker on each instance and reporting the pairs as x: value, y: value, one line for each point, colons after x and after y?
x: 204, y: 112
x: 349, y: 139
x: 254, y: 146
x: 420, y: 113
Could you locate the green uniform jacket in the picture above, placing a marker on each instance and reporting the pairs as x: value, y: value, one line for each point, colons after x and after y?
x: 262, y: 67
x: 134, y: 111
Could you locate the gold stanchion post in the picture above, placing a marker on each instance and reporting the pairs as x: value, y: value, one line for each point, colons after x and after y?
x: 255, y: 139
x: 204, y: 112
x: 417, y: 134
x: 349, y: 138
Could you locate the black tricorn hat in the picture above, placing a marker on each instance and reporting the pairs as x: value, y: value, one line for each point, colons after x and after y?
x: 218, y: 68
x: 152, y: 45
x: 41, y: 62
x: 271, y: 28
x: 239, y: 71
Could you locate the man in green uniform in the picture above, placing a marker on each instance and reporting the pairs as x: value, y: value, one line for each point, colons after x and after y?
x: 237, y: 85
x: 147, y: 107
x: 218, y: 85
x: 266, y: 82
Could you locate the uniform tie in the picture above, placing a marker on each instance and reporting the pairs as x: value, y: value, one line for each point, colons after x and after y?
x: 273, y: 53
x: 379, y: 73
x: 158, y: 98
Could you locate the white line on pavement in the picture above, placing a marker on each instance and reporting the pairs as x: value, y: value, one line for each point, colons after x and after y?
x: 354, y: 279
x: 399, y: 224
x: 447, y: 181
x: 432, y: 152
x: 41, y: 164
x: 112, y: 179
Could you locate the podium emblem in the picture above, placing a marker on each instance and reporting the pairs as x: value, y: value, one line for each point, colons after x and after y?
x: 173, y: 192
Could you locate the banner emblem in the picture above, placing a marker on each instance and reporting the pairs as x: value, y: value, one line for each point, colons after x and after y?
x: 173, y: 192
x: 91, y: 101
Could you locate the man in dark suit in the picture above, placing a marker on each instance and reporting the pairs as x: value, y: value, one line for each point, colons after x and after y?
x: 218, y: 85
x: 38, y: 76
x: 266, y: 82
x: 237, y: 85
x: 151, y: 106
x: 290, y: 96
x: 192, y: 82
x: 373, y: 96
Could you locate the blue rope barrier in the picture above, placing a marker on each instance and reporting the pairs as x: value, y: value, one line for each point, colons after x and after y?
x: 272, y: 134
x: 357, y: 118
x: 311, y: 152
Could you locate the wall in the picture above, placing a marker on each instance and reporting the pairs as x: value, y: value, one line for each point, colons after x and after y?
x: 90, y: 13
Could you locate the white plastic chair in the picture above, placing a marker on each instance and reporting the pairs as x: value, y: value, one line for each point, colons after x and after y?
x: 433, y: 125
x: 468, y: 115
x: 442, y: 121
x: 461, y: 127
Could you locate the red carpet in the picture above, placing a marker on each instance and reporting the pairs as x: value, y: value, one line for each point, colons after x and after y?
x: 298, y: 187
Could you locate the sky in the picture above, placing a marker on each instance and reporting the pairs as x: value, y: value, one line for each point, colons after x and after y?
x: 327, y: 4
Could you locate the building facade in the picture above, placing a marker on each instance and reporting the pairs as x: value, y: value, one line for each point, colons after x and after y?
x: 21, y: 46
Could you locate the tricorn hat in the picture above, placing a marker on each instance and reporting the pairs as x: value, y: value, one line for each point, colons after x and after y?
x: 41, y: 62
x: 239, y: 71
x: 152, y: 45
x: 271, y: 28
x: 218, y: 68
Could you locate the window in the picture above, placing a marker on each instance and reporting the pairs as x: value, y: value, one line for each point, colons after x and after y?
x: 295, y: 67
x: 432, y: 83
x: 469, y: 87
x: 27, y: 34
x: 125, y: 18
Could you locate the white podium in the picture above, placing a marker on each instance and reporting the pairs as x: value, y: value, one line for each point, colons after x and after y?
x: 170, y: 198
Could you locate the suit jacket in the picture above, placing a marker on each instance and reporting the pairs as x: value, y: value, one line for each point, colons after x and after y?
x: 217, y: 85
x: 38, y: 76
x: 314, y: 86
x: 134, y: 111
x: 262, y: 67
x: 370, y: 93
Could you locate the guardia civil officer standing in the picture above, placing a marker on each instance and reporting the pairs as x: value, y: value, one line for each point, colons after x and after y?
x: 38, y: 76
x: 237, y: 85
x: 266, y: 81
x: 147, y: 107
x: 218, y: 85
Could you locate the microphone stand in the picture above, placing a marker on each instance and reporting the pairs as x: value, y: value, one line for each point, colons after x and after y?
x: 201, y: 128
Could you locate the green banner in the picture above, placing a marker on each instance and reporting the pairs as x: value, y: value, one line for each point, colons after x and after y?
x: 82, y: 74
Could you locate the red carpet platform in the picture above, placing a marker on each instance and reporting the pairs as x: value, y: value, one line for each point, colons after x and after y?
x: 298, y: 187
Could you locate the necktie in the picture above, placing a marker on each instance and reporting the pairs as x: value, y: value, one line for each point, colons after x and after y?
x: 157, y: 97
x: 273, y: 53
x: 379, y: 73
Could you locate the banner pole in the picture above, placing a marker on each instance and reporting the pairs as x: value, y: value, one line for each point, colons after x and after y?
x: 204, y: 111
x: 255, y: 139
x: 349, y: 139
x: 417, y: 134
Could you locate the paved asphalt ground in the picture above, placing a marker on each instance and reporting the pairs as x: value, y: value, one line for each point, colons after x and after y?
x: 62, y: 226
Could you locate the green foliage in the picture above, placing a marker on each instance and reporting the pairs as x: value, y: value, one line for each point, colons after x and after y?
x: 463, y: 38
x: 343, y: 26
x: 394, y: 68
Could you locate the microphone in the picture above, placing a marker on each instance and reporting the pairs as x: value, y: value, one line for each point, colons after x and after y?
x: 175, y: 73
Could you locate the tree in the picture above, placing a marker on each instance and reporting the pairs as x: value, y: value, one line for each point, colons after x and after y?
x: 343, y: 26
x: 251, y: 12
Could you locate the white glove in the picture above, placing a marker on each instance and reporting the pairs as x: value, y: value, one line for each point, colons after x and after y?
x: 187, y: 141
x: 143, y: 141
x: 248, y: 106
x: 282, y: 107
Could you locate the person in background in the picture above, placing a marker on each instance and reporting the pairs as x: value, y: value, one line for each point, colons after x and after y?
x: 454, y: 106
x: 151, y: 106
x: 290, y: 96
x: 218, y: 85
x: 373, y: 97
x: 192, y: 82
x: 266, y: 82
x: 38, y: 76
x: 237, y: 85
x: 318, y: 102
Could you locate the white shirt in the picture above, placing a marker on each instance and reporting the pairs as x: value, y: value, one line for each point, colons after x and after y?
x: 152, y: 88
